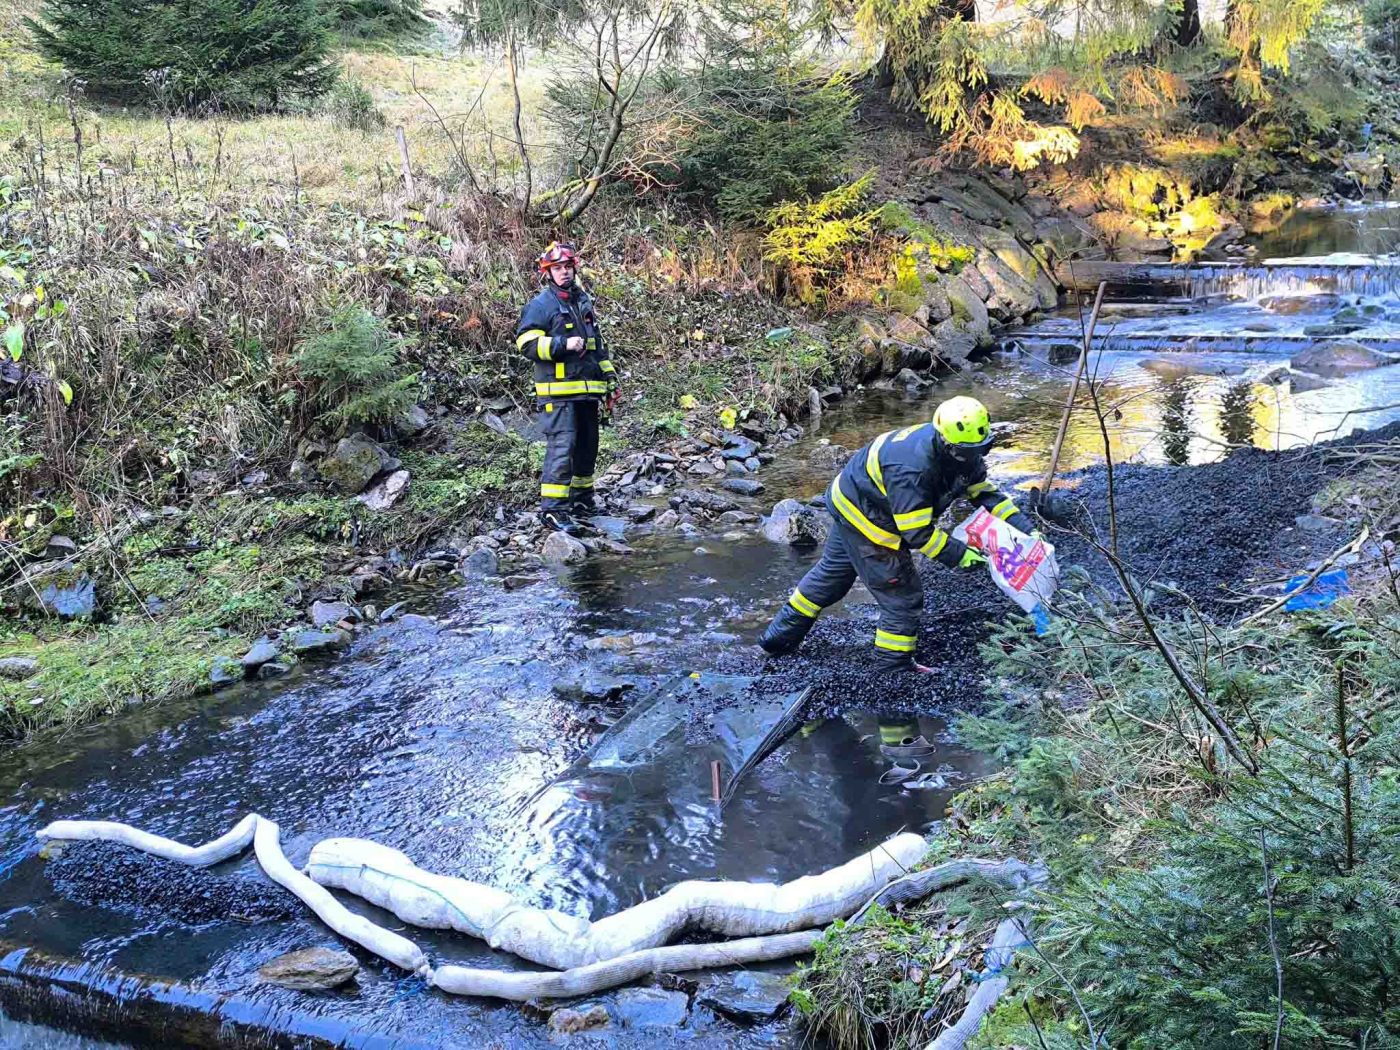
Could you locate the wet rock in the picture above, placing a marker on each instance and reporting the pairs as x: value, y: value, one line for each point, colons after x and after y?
x: 651, y: 1008
x: 310, y: 970
x: 796, y: 524
x: 1340, y: 358
x: 667, y: 520
x: 1332, y: 328
x: 736, y: 517
x: 753, y: 997
x: 814, y: 402
x: 309, y: 643
x: 607, y: 525
x: 702, y: 468
x: 1302, y: 383
x: 911, y: 380
x: 225, y: 671
x: 68, y: 593
x: 562, y: 549
x: 384, y: 494
x: 568, y: 1021
x: 480, y: 563
x: 1062, y: 353
x: 752, y: 463
x: 414, y: 420
x: 740, y: 448
x: 354, y: 463
x: 735, y: 468
x: 955, y: 346
x: 1291, y: 305
x: 1316, y: 523
x: 743, y: 486
x: 275, y: 669
x: 969, y: 309
x: 326, y: 614
x: 586, y: 684
x: 367, y: 581
x: 60, y: 547
x: 263, y: 651
x: 641, y: 512
x: 622, y: 643
x: 16, y: 668
x: 712, y: 502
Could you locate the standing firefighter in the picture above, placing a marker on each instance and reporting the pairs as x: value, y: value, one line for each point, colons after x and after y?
x: 886, y: 502
x: 558, y: 331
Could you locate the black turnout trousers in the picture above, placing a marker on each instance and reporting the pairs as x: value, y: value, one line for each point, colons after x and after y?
x: 570, y: 453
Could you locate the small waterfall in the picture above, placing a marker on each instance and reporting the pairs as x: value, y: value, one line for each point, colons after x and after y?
x: 1371, y: 279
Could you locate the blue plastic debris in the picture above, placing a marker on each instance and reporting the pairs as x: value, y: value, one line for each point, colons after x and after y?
x: 1323, y: 591
x: 1040, y: 616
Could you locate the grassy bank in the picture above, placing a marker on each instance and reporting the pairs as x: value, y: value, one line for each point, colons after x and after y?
x: 1195, y: 898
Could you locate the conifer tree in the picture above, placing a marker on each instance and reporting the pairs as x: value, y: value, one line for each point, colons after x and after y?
x: 188, y: 54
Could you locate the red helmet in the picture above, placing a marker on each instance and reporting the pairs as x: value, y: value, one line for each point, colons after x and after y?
x: 557, y: 253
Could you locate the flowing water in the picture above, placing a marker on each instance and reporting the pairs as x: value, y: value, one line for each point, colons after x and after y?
x: 444, y: 735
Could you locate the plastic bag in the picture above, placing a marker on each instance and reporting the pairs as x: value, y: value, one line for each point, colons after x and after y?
x: 1023, y: 567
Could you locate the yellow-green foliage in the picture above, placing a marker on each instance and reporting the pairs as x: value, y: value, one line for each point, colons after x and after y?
x: 1148, y: 193
x: 814, y: 235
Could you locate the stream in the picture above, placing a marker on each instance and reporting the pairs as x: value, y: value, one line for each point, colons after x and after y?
x: 458, y: 734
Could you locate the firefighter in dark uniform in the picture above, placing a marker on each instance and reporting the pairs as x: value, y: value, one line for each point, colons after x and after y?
x: 886, y: 503
x: 558, y: 332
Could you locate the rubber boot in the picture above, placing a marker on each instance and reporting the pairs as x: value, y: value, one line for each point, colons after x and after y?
x: 786, y: 632
x: 584, y: 505
x: 559, y: 521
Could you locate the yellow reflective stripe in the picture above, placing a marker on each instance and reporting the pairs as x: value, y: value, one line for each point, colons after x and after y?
x: 978, y: 489
x: 863, y: 525
x: 573, y: 386
x: 803, y: 604
x: 914, y: 519
x: 589, y: 345
x: 582, y: 483
x: 542, y: 342
x: 559, y: 371
x: 606, y: 366
x: 872, y: 463
x: 935, y: 544
x: 898, y: 734
x: 554, y: 491
x: 899, y: 643
x: 907, y: 431
x: 1004, y: 509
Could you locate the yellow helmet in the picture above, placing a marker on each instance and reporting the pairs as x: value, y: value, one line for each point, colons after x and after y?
x: 964, y: 427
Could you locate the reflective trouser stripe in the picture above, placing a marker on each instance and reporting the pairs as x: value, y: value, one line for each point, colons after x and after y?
x: 859, y: 521
x: 898, y: 643
x: 549, y: 491
x: 898, y: 734
x: 573, y: 386
x: 802, y: 604
x: 872, y: 463
x: 581, y: 483
x: 914, y: 519
x: 1004, y: 509
x: 606, y: 366
x: 935, y: 544
x: 975, y: 490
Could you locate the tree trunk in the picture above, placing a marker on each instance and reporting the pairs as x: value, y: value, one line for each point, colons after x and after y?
x: 1188, y: 28
x: 513, y: 73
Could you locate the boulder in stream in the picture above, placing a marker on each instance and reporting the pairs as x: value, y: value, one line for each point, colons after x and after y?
x: 263, y: 651
x: 306, y: 643
x: 562, y: 549
x: 1340, y: 357
x: 795, y: 524
x: 327, y: 614
x: 651, y: 1008
x: 750, y: 996
x: 584, y: 1018
x: 310, y: 970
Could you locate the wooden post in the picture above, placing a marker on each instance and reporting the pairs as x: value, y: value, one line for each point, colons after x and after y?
x: 1073, y: 392
x: 714, y: 781
x: 403, y: 156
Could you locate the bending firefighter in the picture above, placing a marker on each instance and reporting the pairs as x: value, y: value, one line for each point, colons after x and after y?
x: 886, y: 503
x: 558, y: 331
